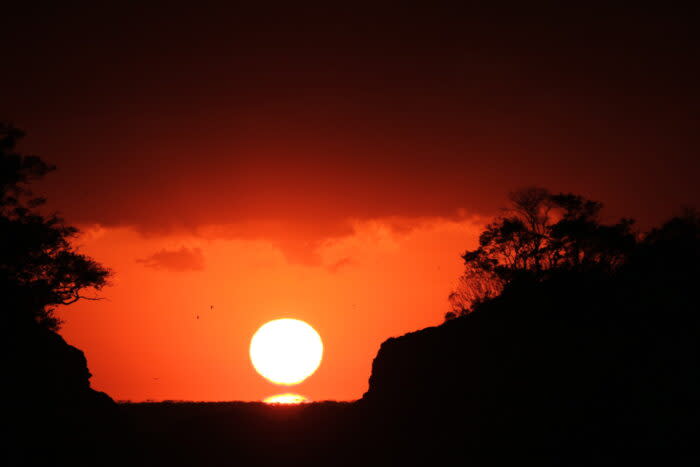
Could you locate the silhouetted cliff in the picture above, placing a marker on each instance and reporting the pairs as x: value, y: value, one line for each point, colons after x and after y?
x: 48, y: 371
x: 49, y: 398
x: 579, y: 366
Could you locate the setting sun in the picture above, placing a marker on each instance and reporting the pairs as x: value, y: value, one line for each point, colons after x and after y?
x: 286, y: 351
x: 287, y: 398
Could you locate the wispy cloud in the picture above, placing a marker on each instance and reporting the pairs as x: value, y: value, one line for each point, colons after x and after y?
x: 184, y: 259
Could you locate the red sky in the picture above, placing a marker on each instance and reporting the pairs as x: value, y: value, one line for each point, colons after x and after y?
x: 328, y: 164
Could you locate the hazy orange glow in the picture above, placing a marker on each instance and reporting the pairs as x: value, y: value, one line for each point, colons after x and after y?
x: 287, y: 398
x: 177, y: 321
x: 286, y: 351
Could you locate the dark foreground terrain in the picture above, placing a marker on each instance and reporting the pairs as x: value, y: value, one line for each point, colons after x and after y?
x: 574, y: 343
x: 335, y: 433
x: 577, y: 366
x: 230, y: 433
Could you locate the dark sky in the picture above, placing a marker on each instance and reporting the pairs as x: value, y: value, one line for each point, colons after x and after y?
x: 296, y: 119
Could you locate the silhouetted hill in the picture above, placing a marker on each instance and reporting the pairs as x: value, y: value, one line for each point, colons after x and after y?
x: 579, y: 368
x: 49, y: 398
x: 48, y: 404
x: 50, y: 372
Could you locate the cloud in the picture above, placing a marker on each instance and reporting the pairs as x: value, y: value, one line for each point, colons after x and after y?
x: 184, y: 259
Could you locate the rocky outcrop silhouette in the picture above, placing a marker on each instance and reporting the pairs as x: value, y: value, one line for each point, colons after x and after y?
x: 54, y: 413
x: 577, y: 366
x: 48, y: 371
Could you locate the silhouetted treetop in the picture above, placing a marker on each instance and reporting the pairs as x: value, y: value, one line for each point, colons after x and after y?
x: 16, y: 170
x: 591, y: 344
x: 541, y: 232
x: 39, y: 268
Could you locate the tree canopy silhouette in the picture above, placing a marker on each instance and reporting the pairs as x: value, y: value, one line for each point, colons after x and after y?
x: 540, y: 233
x: 39, y: 268
x: 579, y: 344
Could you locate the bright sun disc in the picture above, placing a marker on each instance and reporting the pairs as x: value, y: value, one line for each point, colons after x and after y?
x: 286, y: 351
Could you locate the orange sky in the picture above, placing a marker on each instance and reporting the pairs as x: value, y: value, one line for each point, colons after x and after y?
x: 325, y: 163
x: 385, y: 278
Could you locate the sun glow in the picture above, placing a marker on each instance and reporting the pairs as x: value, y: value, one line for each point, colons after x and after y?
x: 287, y: 398
x: 286, y: 351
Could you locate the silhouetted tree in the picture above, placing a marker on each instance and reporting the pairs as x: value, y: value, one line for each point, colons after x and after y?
x: 541, y: 232
x: 587, y: 351
x: 39, y: 269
